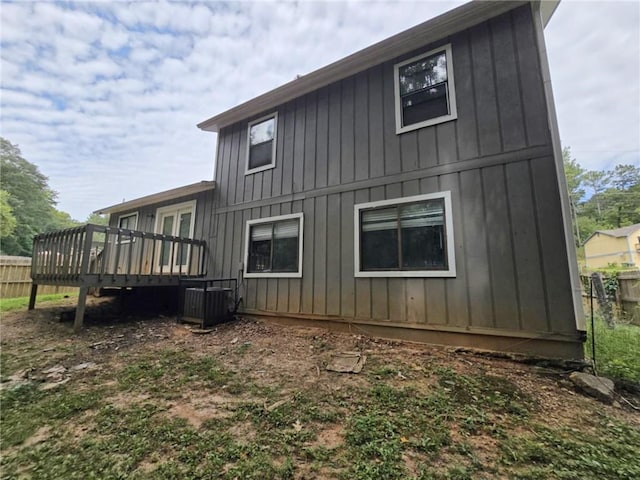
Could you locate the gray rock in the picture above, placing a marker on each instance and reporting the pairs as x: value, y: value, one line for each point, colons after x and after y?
x: 601, y: 388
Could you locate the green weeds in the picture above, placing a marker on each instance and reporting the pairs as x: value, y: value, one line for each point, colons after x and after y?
x: 617, y: 350
x: 568, y: 453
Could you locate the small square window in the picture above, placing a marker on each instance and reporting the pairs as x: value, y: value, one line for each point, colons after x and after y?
x: 273, y: 247
x: 261, y: 144
x: 425, y: 90
x: 128, y: 222
x: 408, y: 237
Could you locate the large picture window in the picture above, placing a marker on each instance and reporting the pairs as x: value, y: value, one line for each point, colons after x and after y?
x: 261, y: 144
x: 408, y: 237
x: 274, y: 246
x: 424, y: 90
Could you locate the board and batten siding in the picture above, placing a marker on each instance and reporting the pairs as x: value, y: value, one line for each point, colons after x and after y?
x: 337, y: 147
x: 202, y: 228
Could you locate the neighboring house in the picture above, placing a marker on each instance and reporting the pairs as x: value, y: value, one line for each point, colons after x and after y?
x: 413, y: 190
x: 620, y: 246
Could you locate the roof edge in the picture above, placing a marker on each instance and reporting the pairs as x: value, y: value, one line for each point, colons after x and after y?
x: 159, y: 197
x: 547, y: 9
x: 432, y: 30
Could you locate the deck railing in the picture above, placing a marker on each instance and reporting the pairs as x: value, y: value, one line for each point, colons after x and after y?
x: 96, y: 251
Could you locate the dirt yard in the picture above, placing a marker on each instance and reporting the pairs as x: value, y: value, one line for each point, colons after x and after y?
x: 136, y: 397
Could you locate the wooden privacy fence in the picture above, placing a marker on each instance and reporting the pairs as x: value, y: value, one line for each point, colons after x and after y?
x: 15, y: 278
x: 629, y: 295
x: 625, y: 292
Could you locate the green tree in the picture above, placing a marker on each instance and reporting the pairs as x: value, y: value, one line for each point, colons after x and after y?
x: 98, y: 219
x: 31, y: 199
x: 7, y: 219
x: 574, y: 174
x: 599, y: 181
x: 626, y: 176
x: 623, y: 199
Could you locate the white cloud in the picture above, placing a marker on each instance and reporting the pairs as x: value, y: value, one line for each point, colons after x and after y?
x: 104, y: 96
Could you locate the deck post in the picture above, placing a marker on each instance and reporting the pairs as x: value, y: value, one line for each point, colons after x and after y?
x: 32, y: 297
x: 82, y: 301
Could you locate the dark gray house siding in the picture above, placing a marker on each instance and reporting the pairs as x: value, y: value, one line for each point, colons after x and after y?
x: 338, y: 146
x: 147, y: 214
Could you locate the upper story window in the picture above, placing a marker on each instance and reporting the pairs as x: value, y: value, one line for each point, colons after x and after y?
x: 424, y: 90
x: 273, y: 246
x: 406, y: 237
x: 261, y: 144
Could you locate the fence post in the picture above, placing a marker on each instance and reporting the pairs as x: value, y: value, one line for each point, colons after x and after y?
x: 84, y: 266
x: 32, y: 296
x: 603, y: 301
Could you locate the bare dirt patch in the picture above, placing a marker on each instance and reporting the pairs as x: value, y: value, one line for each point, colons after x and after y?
x: 266, y: 386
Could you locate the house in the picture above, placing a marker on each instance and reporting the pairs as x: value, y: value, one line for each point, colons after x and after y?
x: 620, y: 246
x: 412, y: 190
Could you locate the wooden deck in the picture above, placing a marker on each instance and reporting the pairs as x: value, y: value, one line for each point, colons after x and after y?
x: 96, y: 256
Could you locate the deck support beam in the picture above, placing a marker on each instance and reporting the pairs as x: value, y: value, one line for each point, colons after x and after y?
x: 82, y: 301
x: 32, y: 296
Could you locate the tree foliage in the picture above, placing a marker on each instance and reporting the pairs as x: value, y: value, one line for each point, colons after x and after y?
x: 601, y: 199
x: 30, y: 200
x: 7, y: 219
x: 97, y: 219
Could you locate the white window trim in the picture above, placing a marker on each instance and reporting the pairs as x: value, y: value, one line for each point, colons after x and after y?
x: 278, y: 218
x: 134, y: 214
x: 175, y: 207
x: 191, y: 205
x: 249, y: 171
x: 450, y: 86
x: 451, y: 257
x: 135, y: 227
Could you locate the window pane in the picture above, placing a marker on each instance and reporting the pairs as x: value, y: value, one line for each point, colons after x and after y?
x: 167, y: 229
x: 424, y: 73
x: 128, y: 222
x: 380, y: 219
x: 262, y: 132
x: 379, y: 239
x: 423, y: 240
x: 287, y: 229
x: 184, y: 230
x: 274, y: 247
x: 261, y: 232
x: 259, y: 256
x: 260, y: 155
x: 285, y: 254
x: 425, y: 104
x: 379, y: 250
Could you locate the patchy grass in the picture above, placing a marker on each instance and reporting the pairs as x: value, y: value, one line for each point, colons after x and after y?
x: 164, y: 403
x: 20, y: 303
x: 617, y: 350
x: 570, y: 453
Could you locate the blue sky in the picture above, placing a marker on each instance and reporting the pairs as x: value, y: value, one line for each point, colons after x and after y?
x: 104, y: 96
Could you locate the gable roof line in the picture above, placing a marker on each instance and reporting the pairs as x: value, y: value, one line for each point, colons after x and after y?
x: 159, y: 197
x: 616, y: 232
x: 432, y: 30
